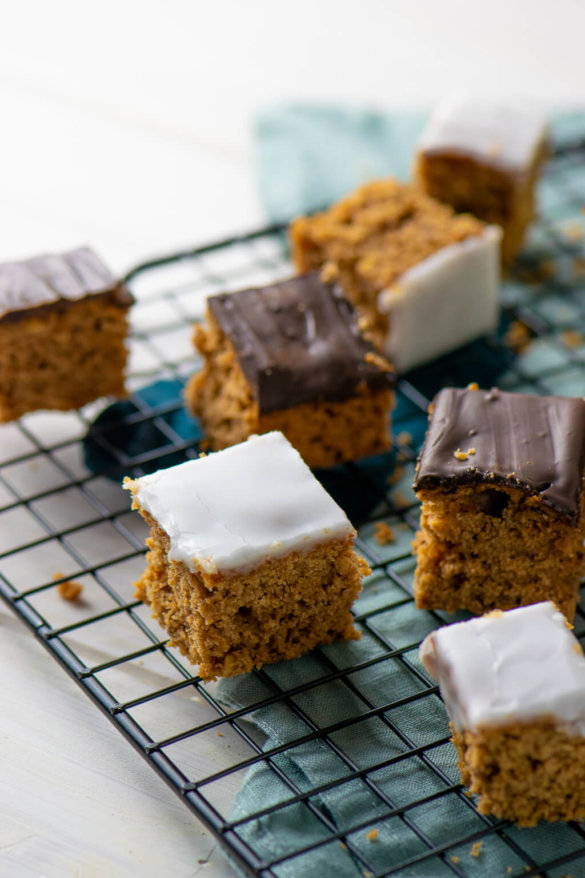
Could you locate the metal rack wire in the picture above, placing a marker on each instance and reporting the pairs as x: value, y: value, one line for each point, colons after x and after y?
x: 63, y: 516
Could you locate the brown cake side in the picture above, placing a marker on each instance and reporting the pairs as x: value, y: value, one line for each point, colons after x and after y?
x: 230, y: 623
x: 63, y: 326
x: 481, y: 548
x: 524, y: 772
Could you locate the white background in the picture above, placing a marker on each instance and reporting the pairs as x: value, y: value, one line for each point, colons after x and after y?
x: 126, y: 124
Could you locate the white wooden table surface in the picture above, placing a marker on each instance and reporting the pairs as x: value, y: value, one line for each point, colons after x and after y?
x: 126, y: 125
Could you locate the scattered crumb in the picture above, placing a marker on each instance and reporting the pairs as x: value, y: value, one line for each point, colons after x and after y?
x: 572, y: 338
x: 509, y: 870
x: 533, y: 274
x: 518, y: 337
x: 395, y: 477
x: 476, y: 849
x: 343, y: 845
x: 384, y: 533
x: 377, y: 360
x: 495, y: 614
x: 511, y: 475
x: 400, y: 499
x: 494, y: 149
x: 219, y: 735
x: 454, y: 859
x: 405, y: 438
x: 431, y: 408
x: 460, y: 455
x: 572, y: 230
x: 471, y: 450
x: 473, y: 386
x: 202, y: 454
x: 68, y: 590
x: 372, y: 835
x: 579, y: 266
x: 578, y: 648
x: 367, y: 874
x: 140, y: 661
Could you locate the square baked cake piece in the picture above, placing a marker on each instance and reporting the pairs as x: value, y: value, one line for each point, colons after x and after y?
x: 513, y: 684
x: 251, y: 561
x: 483, y: 156
x: 63, y: 326
x: 500, y: 479
x: 425, y: 279
x: 290, y: 357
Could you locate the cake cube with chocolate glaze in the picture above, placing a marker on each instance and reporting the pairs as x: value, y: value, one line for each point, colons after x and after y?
x: 500, y: 479
x: 483, y: 157
x: 513, y: 684
x: 250, y: 560
x: 425, y: 279
x: 63, y: 326
x: 291, y: 357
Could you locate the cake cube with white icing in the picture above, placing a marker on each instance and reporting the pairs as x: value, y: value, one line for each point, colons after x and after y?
x: 514, y: 687
x: 250, y: 560
x: 483, y: 156
x: 425, y: 279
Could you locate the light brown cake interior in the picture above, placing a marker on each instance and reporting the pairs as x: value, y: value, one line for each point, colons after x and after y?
x: 487, y: 191
x: 63, y: 357
x: 524, y: 772
x: 323, y: 432
x: 229, y: 623
x: 367, y: 240
x: 481, y: 548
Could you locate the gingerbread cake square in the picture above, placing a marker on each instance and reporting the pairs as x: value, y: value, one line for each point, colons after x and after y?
x: 63, y: 325
x: 423, y: 278
x: 513, y: 684
x: 483, y: 157
x: 500, y: 479
x: 250, y: 560
x: 290, y: 357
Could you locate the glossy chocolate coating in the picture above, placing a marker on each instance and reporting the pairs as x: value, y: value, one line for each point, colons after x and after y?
x: 55, y: 281
x: 536, y: 443
x: 297, y: 341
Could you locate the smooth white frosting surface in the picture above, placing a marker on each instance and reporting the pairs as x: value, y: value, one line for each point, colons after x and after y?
x: 239, y: 506
x: 516, y: 666
x: 443, y: 302
x: 500, y: 133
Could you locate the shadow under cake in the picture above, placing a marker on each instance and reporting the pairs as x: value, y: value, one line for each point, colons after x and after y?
x: 290, y: 357
x: 500, y: 479
x: 63, y: 326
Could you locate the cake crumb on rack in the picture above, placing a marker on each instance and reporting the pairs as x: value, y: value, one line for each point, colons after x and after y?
x: 518, y: 337
x: 476, y: 849
x: 384, y: 534
x: 572, y: 338
x: 372, y: 835
x: 68, y: 590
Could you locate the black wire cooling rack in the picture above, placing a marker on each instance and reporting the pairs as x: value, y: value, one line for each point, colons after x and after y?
x: 63, y: 516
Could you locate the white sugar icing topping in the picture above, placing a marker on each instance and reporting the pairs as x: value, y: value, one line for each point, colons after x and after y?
x: 512, y: 667
x: 446, y: 300
x: 500, y: 133
x: 237, y: 507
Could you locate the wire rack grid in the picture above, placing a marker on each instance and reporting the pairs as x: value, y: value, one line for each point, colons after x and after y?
x: 63, y: 516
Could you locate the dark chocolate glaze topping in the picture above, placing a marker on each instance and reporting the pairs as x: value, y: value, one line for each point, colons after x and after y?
x: 54, y: 280
x: 536, y: 443
x: 297, y: 341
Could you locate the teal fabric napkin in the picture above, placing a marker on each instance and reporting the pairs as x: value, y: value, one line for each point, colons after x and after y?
x: 308, y: 156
